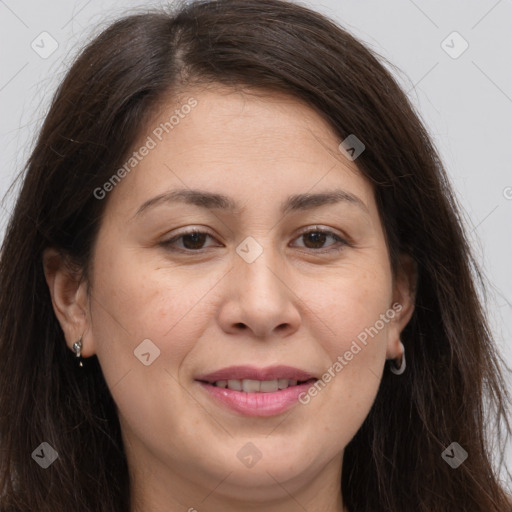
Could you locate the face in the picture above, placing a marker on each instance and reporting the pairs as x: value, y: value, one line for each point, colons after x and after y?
x: 265, y: 265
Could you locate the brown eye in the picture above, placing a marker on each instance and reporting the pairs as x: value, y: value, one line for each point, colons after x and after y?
x: 315, y: 239
x: 194, y: 240
x: 191, y: 241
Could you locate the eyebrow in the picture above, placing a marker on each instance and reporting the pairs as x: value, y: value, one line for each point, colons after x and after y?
x: 211, y: 200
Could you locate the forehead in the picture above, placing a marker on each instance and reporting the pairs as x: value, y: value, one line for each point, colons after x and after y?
x: 231, y: 142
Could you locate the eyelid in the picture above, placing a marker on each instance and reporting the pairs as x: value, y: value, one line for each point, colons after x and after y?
x: 321, y: 228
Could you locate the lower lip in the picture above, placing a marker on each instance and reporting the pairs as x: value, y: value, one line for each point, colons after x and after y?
x: 257, y: 404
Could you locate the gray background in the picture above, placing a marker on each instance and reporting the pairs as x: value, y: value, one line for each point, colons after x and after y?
x: 466, y: 102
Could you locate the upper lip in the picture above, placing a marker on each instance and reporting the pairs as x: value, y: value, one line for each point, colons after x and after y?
x: 251, y: 372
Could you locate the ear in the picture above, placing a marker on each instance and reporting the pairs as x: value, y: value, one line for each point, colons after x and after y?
x: 69, y: 299
x: 404, y: 295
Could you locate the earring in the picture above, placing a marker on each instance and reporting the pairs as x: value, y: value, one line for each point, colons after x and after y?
x: 77, y: 348
x: 398, y: 369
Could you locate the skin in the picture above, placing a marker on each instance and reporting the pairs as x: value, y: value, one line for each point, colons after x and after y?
x: 300, y: 303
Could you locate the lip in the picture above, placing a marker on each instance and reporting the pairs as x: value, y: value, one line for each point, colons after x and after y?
x: 256, y: 404
x: 252, y: 372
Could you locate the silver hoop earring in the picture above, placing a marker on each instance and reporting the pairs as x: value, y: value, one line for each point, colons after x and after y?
x: 77, y: 348
x: 398, y: 369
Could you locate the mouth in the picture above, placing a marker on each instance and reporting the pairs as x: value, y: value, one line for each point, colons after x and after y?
x: 252, y: 391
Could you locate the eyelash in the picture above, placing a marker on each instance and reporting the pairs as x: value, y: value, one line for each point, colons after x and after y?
x: 342, y: 243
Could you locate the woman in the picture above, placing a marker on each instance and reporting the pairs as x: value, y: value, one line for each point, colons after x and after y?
x: 231, y: 220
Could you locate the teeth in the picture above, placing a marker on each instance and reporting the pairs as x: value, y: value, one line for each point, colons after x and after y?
x: 282, y: 383
x: 251, y: 386
x: 255, y: 386
x: 235, y: 385
x: 269, y: 386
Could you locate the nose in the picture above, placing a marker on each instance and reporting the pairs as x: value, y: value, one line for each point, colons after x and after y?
x: 259, y: 298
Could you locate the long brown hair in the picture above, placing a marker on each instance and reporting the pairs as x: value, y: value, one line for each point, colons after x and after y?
x: 453, y: 390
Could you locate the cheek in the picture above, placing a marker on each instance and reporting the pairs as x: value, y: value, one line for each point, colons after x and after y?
x: 354, y: 314
x: 135, y: 303
x: 351, y: 303
x: 136, y: 300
